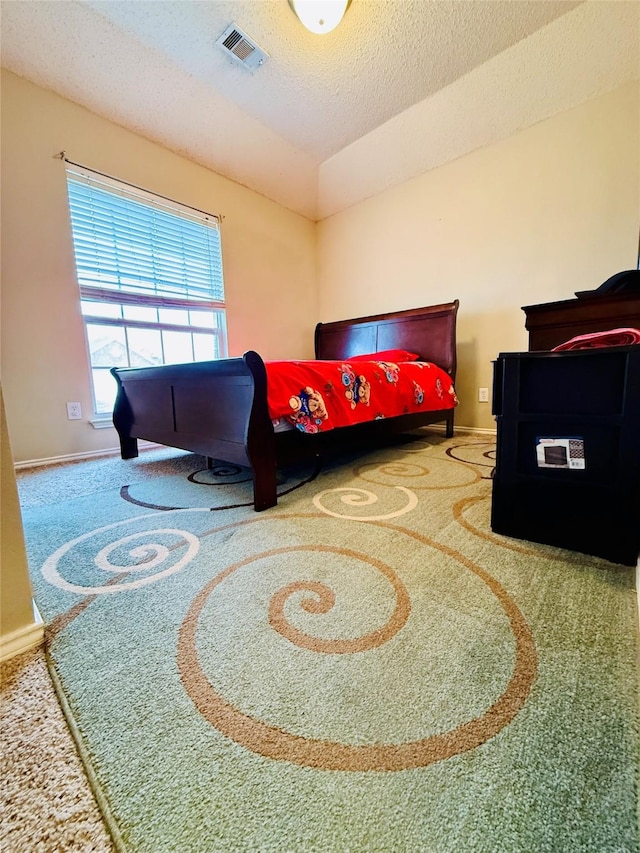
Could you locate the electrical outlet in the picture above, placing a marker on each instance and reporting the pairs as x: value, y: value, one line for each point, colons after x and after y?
x: 483, y: 395
x: 74, y: 411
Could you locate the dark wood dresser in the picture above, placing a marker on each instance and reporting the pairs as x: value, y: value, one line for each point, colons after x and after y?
x: 607, y: 307
x: 555, y: 322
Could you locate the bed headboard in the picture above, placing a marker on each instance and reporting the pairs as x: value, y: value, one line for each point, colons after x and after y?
x: 430, y: 331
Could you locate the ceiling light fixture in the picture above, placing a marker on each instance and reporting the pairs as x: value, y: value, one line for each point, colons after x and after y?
x: 320, y: 16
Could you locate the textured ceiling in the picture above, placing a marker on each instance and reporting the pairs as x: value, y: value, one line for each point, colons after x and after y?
x: 297, y: 126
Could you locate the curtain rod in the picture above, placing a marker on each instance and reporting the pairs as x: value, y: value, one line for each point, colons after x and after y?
x: 62, y: 155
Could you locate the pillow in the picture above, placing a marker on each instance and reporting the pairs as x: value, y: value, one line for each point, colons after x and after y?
x: 393, y: 355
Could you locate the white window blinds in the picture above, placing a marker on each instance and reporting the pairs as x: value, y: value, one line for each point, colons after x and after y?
x: 145, y: 250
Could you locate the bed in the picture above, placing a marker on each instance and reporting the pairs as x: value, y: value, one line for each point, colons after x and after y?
x: 219, y: 408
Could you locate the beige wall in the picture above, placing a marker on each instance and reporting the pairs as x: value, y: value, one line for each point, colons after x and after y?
x: 268, y: 253
x: 16, y: 609
x: 551, y: 210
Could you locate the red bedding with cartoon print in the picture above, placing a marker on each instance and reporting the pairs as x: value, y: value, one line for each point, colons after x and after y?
x: 317, y: 396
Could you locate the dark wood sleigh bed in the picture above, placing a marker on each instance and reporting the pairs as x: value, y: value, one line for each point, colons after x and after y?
x: 219, y: 408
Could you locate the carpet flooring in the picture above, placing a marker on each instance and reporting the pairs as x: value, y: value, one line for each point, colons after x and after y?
x: 46, y: 803
x: 365, y: 667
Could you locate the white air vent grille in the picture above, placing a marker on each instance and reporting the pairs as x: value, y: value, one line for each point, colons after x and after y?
x: 241, y: 48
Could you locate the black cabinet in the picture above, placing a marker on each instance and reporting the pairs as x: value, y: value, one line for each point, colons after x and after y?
x: 568, y: 450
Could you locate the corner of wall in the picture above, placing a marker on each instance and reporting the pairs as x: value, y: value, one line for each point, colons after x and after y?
x: 22, y: 639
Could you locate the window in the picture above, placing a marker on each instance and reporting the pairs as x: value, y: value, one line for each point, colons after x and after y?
x: 150, y: 278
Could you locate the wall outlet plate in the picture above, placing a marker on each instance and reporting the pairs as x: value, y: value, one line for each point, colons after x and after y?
x: 74, y: 411
x: 483, y: 395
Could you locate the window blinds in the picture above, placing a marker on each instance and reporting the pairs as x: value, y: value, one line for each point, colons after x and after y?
x: 142, y: 248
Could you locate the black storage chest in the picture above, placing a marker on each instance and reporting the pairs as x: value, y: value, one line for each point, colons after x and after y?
x: 568, y: 450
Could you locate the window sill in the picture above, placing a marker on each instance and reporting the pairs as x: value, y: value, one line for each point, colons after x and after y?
x: 101, y: 421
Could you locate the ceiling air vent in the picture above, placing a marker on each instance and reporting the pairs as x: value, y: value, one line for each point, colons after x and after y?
x: 241, y: 48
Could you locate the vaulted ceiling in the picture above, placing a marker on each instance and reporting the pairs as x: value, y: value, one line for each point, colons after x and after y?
x: 401, y: 86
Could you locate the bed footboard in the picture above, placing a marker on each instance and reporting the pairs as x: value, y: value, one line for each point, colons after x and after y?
x: 215, y: 408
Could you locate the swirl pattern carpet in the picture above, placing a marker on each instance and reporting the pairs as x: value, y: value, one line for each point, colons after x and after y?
x: 365, y: 667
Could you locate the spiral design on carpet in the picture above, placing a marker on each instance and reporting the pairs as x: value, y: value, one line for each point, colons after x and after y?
x: 274, y: 742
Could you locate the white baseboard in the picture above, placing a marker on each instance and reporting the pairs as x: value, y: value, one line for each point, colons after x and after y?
x: 78, y: 457
x: 23, y: 639
x: 475, y: 430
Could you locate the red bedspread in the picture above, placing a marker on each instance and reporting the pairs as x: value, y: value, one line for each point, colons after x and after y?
x: 317, y: 396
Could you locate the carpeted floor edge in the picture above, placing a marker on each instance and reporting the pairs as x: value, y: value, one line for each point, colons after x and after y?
x: 94, y: 784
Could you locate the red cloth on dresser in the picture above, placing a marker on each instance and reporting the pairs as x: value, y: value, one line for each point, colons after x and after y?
x: 594, y: 340
x: 317, y: 396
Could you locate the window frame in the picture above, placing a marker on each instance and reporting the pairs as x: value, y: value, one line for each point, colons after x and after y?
x: 214, y: 308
